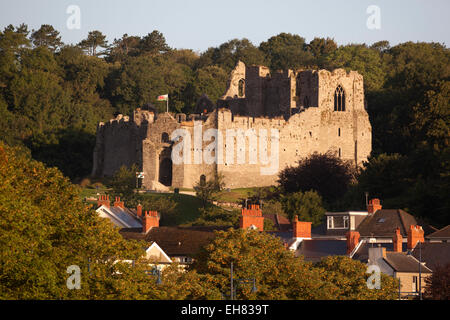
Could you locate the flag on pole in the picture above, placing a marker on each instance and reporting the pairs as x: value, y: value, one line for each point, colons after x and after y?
x: 164, y: 97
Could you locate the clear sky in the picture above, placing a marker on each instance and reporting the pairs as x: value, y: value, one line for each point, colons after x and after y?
x: 199, y: 24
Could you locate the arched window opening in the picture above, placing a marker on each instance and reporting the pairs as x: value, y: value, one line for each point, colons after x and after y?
x: 202, y: 180
x: 165, y: 137
x: 241, y: 88
x: 339, y: 99
x: 306, y: 102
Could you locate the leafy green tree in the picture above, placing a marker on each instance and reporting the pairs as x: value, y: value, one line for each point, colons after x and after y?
x: 216, y: 216
x: 123, y: 47
x: 123, y: 183
x: 206, y: 190
x: 307, y: 206
x: 349, y: 277
x: 166, y: 207
x: 141, y: 79
x: 94, y: 40
x: 325, y: 173
x: 287, y: 51
x: 153, y: 43
x: 45, y: 228
x: 321, y: 48
x: 278, y: 274
x: 46, y: 36
x: 360, y: 58
x: 229, y: 53
x: 212, y: 81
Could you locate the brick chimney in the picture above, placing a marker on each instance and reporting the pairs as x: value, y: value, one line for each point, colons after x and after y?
x: 397, y: 240
x: 150, y: 220
x: 373, y: 206
x: 352, y: 240
x: 139, y: 210
x: 415, y: 234
x: 301, y: 229
x: 118, y: 203
x: 103, y: 201
x: 252, y: 216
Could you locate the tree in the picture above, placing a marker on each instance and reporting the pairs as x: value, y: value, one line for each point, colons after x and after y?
x: 278, y: 274
x: 438, y: 285
x: 360, y: 58
x: 307, y: 206
x: 123, y: 183
x: 46, y: 36
x: 153, y: 43
x: 321, y: 48
x: 325, y: 173
x: 287, y: 51
x: 45, y: 228
x: 216, y: 216
x: 206, y: 190
x: 229, y: 53
x: 94, y: 40
x: 349, y: 278
x: 212, y: 81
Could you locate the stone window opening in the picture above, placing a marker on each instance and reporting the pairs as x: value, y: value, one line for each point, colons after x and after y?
x: 340, y: 152
x: 306, y: 102
x: 202, y: 180
x: 339, y: 99
x: 241, y: 88
x: 339, y: 132
x: 165, y: 137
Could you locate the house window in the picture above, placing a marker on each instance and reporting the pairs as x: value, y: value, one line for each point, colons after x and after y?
x: 339, y: 99
x: 415, y: 284
x: 338, y: 222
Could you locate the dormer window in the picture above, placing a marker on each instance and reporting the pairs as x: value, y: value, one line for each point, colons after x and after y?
x: 337, y: 222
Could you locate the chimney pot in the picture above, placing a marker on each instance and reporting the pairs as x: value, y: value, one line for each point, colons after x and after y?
x: 374, y: 206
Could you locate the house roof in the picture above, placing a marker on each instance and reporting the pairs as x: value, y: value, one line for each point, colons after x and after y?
x: 122, y: 217
x: 402, y: 262
x: 175, y: 241
x: 280, y: 222
x: 362, y: 252
x: 433, y: 253
x: 315, y: 250
x: 384, y: 222
x: 443, y: 233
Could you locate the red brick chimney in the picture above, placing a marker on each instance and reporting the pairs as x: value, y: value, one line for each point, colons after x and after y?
x: 301, y: 229
x: 150, y: 220
x: 352, y: 240
x: 397, y: 240
x: 252, y: 216
x: 373, y: 206
x: 415, y: 234
x: 103, y: 201
x: 119, y: 203
x: 139, y: 210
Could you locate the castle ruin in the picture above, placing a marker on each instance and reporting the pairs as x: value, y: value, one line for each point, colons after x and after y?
x: 310, y: 110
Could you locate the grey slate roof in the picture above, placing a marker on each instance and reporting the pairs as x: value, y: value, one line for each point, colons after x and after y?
x: 433, y: 253
x: 384, y: 222
x: 401, y: 262
x: 315, y: 250
x: 362, y: 254
x: 443, y: 233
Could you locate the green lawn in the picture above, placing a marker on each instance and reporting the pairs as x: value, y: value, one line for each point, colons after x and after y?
x: 235, y: 194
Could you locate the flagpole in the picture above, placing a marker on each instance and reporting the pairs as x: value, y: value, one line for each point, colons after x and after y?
x: 167, y: 104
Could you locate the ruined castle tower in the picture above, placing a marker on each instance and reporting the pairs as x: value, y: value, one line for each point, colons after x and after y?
x: 309, y: 110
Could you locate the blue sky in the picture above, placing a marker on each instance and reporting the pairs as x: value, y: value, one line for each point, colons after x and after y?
x: 199, y: 24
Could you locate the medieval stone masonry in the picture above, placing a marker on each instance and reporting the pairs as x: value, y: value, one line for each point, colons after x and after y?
x: 264, y: 122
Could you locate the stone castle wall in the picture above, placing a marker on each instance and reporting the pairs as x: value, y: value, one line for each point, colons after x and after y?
x: 299, y: 105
